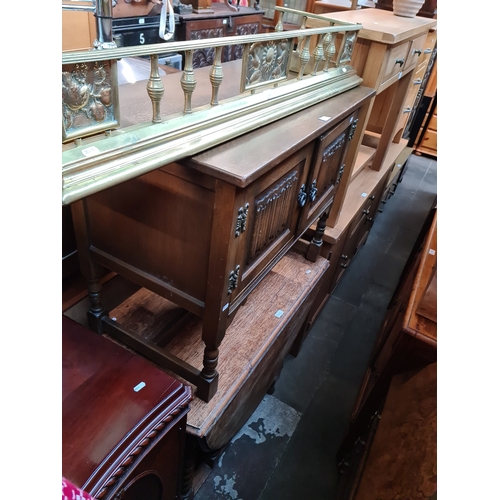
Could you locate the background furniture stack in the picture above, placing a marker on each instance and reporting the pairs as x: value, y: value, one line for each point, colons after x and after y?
x: 426, y: 135
x: 391, y: 54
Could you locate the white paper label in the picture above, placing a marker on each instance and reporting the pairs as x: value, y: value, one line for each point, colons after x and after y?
x: 91, y: 151
x: 308, y: 271
x: 141, y: 20
x: 431, y: 251
x: 139, y: 386
x: 364, y: 195
x: 324, y: 118
x: 279, y: 313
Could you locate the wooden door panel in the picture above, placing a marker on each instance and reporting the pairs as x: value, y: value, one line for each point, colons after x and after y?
x: 327, y: 169
x: 273, y: 215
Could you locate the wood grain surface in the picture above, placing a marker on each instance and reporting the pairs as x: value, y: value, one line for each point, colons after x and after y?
x: 403, y: 459
x: 254, y: 330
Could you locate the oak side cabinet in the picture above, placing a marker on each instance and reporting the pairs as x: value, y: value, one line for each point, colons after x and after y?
x: 205, y: 231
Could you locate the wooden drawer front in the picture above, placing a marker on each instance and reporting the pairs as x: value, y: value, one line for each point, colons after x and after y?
x: 407, y: 107
x: 430, y: 140
x: 328, y: 168
x: 394, y: 61
x: 358, y: 232
x: 418, y: 77
x: 273, y: 215
x: 416, y: 54
x: 429, y: 44
x: 433, y: 121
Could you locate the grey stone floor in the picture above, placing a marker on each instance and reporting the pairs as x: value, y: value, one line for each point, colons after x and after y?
x: 286, y: 450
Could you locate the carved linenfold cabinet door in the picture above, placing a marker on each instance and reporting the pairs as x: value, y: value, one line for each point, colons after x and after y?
x: 273, y: 205
x: 328, y: 169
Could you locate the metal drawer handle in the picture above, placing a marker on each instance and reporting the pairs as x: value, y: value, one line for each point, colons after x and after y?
x: 407, y: 110
x: 418, y: 81
x: 400, y: 62
x: 417, y: 51
x: 313, y: 192
x: 302, y: 198
x: 343, y: 265
x: 427, y: 51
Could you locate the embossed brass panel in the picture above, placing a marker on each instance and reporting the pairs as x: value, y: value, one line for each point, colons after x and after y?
x: 89, y: 98
x: 265, y: 62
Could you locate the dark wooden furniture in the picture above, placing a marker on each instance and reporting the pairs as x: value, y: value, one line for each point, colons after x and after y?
x: 123, y: 420
x: 408, y: 337
x: 216, y: 22
x: 398, y: 458
x: 205, y: 231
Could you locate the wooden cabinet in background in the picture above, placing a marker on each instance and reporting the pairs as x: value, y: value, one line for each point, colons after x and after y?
x: 408, y: 336
x: 78, y: 30
x: 389, y: 51
x: 205, y: 231
x: 219, y: 21
x: 426, y: 140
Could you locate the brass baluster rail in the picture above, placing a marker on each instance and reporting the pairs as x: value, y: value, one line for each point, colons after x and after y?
x: 268, y: 92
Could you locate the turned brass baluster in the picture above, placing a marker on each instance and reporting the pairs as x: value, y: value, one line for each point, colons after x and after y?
x: 155, y: 88
x: 319, y: 54
x: 279, y: 24
x: 304, y: 58
x: 188, y: 81
x: 330, y: 51
x: 216, y: 76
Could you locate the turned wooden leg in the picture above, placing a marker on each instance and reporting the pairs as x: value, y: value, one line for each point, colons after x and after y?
x: 96, y: 310
x: 315, y: 245
x: 189, y: 466
x: 210, y: 360
x: 209, y: 377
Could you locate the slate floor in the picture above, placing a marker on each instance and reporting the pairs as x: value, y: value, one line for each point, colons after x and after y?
x: 286, y: 450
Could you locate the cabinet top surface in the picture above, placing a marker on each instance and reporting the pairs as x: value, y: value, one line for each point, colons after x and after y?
x: 383, y: 26
x: 244, y: 159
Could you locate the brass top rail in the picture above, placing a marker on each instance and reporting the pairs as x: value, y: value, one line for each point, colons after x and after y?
x: 173, y: 47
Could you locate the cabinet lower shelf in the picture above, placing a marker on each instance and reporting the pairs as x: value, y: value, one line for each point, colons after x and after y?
x: 252, y: 351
